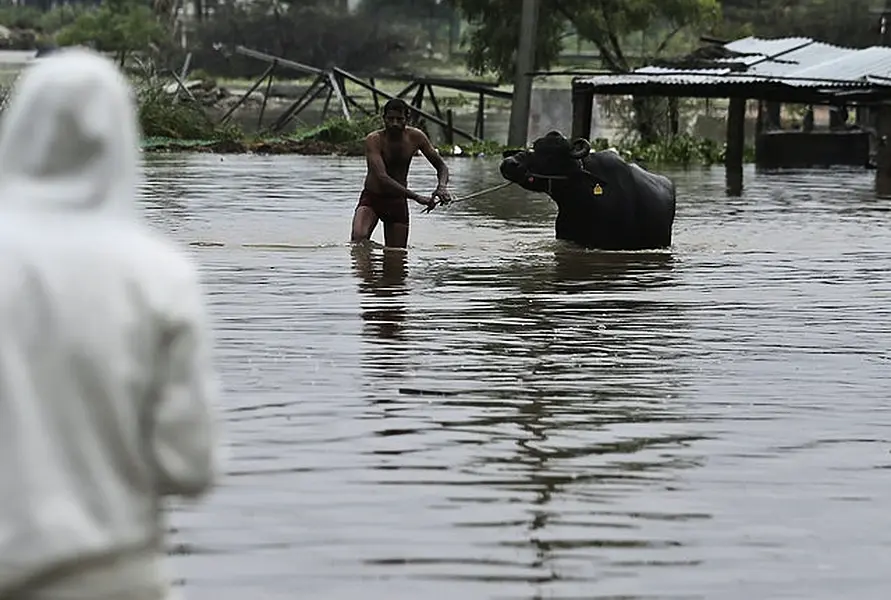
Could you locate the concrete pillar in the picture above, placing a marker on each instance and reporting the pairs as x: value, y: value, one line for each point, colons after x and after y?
x: 519, y: 112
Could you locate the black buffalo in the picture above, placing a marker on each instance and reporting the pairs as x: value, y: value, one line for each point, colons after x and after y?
x: 602, y: 201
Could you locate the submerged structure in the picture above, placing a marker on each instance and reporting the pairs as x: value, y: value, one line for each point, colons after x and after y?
x: 773, y: 72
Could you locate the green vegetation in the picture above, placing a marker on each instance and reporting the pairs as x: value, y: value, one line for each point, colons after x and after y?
x: 682, y: 150
x: 431, y: 37
x: 163, y: 116
x: 625, y: 34
x: 30, y: 27
x: 341, y: 137
x: 336, y: 136
x: 121, y: 27
x: 182, y: 125
x: 850, y: 23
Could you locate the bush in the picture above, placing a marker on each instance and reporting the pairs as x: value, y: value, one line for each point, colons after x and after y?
x: 340, y: 131
x: 31, y: 28
x: 117, y: 26
x: 160, y: 115
x: 682, y: 150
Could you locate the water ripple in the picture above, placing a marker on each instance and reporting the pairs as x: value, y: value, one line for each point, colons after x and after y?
x: 496, y: 415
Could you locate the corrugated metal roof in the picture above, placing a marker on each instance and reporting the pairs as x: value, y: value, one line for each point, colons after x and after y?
x: 798, y: 62
x: 765, y: 46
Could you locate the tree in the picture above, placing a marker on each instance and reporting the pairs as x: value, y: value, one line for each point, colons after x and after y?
x: 119, y: 26
x: 606, y: 23
x: 429, y: 15
x: 495, y: 31
x: 842, y: 22
x: 407, y: 9
x: 309, y: 32
x: 609, y: 24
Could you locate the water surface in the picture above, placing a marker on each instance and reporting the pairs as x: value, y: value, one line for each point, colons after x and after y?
x: 494, y: 415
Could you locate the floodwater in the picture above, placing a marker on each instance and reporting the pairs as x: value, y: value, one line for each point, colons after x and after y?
x: 493, y: 415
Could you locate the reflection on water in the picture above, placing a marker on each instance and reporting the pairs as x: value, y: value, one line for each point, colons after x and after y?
x: 548, y: 417
x: 382, y: 289
x: 597, y: 270
x: 494, y: 414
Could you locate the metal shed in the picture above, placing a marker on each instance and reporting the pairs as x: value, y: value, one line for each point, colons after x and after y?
x: 786, y: 70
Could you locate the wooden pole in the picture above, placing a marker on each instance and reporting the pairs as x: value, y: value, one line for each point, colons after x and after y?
x: 182, y: 74
x: 736, y: 139
x: 480, y: 127
x: 774, y: 115
x: 265, y: 98
x: 582, y: 105
x: 433, y: 101
x: 282, y: 61
x: 384, y: 94
x: 298, y: 67
x: 436, y: 109
x: 191, y: 96
x: 377, y: 102
x: 449, y: 129
x: 883, y: 152
x: 674, y: 117
x: 326, y: 105
x: 519, y: 113
x: 336, y: 86
x: 266, y: 73
x: 318, y: 84
x: 401, y: 94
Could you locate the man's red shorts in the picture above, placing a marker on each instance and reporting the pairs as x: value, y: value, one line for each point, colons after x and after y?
x: 389, y: 209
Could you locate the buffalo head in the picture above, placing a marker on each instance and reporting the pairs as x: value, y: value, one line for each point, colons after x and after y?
x: 552, y: 157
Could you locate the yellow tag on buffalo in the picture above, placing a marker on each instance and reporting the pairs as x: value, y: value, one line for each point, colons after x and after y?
x: 598, y: 190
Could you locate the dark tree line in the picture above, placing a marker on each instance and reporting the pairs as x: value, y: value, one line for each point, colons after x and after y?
x: 843, y: 22
x: 384, y: 33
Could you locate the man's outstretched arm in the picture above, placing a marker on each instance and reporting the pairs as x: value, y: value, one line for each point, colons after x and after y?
x: 442, y: 170
x: 375, y: 161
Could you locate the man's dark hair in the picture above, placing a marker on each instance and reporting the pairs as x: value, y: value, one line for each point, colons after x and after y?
x: 396, y: 104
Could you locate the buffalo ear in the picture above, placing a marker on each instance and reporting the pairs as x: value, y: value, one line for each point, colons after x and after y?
x: 580, y: 148
x: 509, y: 153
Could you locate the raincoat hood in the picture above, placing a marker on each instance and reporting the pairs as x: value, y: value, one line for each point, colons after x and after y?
x: 69, y: 137
x: 107, y: 384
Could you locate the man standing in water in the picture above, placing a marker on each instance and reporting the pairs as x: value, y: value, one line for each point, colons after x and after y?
x: 389, y: 152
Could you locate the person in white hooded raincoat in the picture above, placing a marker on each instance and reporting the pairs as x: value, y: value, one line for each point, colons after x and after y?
x: 107, y: 389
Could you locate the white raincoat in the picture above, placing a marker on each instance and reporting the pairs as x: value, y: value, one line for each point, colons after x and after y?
x: 106, y: 384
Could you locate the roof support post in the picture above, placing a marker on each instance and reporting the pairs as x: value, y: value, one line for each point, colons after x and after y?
x: 582, y: 108
x: 883, y: 151
x: 773, y: 117
x: 736, y: 139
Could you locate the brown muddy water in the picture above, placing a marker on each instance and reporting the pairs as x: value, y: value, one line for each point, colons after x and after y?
x: 707, y: 422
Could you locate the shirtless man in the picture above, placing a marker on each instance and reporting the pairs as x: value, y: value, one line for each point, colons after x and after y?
x: 388, y: 153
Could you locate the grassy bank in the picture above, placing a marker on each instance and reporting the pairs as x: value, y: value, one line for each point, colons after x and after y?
x: 345, y: 138
x: 183, y: 127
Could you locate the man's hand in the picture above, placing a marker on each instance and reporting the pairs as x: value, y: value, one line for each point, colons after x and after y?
x: 427, y: 201
x: 442, y: 195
